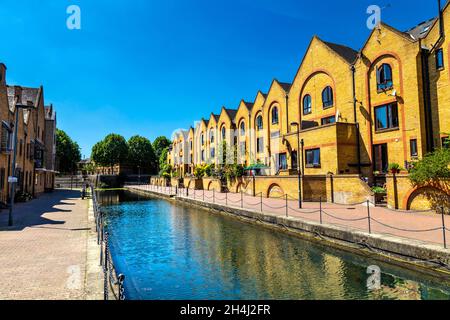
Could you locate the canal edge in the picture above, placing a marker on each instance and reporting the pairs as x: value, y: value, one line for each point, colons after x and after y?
x: 408, y: 253
x: 94, y: 273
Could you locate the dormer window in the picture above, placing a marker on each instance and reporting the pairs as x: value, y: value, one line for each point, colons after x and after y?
x: 274, y: 115
x: 384, y: 77
x: 327, y: 97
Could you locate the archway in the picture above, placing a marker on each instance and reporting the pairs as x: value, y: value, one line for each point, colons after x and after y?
x: 275, y: 191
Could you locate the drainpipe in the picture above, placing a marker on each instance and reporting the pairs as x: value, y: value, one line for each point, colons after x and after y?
x: 355, y: 118
x: 249, y: 128
x: 441, y: 20
x: 288, y: 127
x: 427, y: 100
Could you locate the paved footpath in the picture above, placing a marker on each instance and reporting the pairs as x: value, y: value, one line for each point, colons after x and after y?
x: 44, y: 256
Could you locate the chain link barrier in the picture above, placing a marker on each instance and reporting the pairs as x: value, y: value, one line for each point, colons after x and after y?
x: 112, y: 281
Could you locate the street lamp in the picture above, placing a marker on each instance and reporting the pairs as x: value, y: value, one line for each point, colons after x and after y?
x: 295, y: 124
x: 13, y: 181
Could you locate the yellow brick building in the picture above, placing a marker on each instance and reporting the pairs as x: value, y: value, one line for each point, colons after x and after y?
x: 346, y: 116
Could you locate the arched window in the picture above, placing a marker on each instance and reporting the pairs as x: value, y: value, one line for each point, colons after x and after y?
x: 242, y: 128
x: 223, y: 133
x: 384, y: 77
x: 211, y: 136
x: 274, y: 115
x: 307, y: 104
x: 259, y: 123
x: 203, y: 139
x: 327, y: 97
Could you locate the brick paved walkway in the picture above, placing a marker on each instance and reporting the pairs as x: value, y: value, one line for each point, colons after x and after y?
x: 383, y: 220
x: 44, y: 255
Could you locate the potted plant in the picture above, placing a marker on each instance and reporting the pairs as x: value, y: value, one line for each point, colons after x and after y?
x: 394, y: 168
x: 380, y: 194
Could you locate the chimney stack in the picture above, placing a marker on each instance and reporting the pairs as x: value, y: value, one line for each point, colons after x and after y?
x: 2, y: 74
x: 441, y: 20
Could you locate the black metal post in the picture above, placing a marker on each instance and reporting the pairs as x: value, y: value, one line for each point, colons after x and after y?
x: 443, y: 228
x: 321, y: 219
x: 105, y: 268
x: 368, y: 216
x: 287, y: 206
x: 261, y: 202
x: 300, y: 205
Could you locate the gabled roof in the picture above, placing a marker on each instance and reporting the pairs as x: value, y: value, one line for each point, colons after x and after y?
x: 28, y: 96
x: 231, y: 113
x: 421, y: 30
x: 394, y: 30
x: 249, y: 105
x: 345, y: 52
x: 286, y: 86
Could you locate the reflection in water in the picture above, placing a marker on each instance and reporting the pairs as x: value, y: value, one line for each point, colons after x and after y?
x: 175, y: 252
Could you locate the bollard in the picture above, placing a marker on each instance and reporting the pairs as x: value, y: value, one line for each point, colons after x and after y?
x: 261, y: 202
x: 287, y: 206
x: 321, y: 220
x: 443, y: 227
x: 368, y: 216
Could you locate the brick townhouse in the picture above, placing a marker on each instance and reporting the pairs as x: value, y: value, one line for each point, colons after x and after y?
x: 344, y: 118
x: 36, y: 140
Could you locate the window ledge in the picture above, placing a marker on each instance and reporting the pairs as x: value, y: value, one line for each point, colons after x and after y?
x: 379, y: 90
x: 315, y: 166
x: 386, y: 130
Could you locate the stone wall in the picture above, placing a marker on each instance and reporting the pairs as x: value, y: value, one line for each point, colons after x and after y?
x: 348, y: 189
x: 193, y: 183
x: 212, y: 184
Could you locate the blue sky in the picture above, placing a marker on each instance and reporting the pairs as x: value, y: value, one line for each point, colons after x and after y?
x: 148, y: 67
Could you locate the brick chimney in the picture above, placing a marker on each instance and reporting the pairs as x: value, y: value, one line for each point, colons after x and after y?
x: 2, y: 74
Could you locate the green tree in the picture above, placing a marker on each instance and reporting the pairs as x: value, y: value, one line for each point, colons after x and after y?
x: 67, y: 152
x: 159, y: 145
x: 141, y: 154
x: 111, y: 151
x: 163, y: 157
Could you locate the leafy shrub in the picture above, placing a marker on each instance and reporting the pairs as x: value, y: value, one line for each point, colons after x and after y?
x: 378, y: 190
x: 431, y: 168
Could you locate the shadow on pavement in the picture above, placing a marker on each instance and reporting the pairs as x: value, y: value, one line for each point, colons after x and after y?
x: 30, y: 214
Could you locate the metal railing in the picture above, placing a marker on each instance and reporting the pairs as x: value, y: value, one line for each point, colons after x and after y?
x: 285, y: 207
x: 113, y: 285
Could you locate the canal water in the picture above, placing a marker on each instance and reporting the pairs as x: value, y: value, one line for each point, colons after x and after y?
x: 174, y: 252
